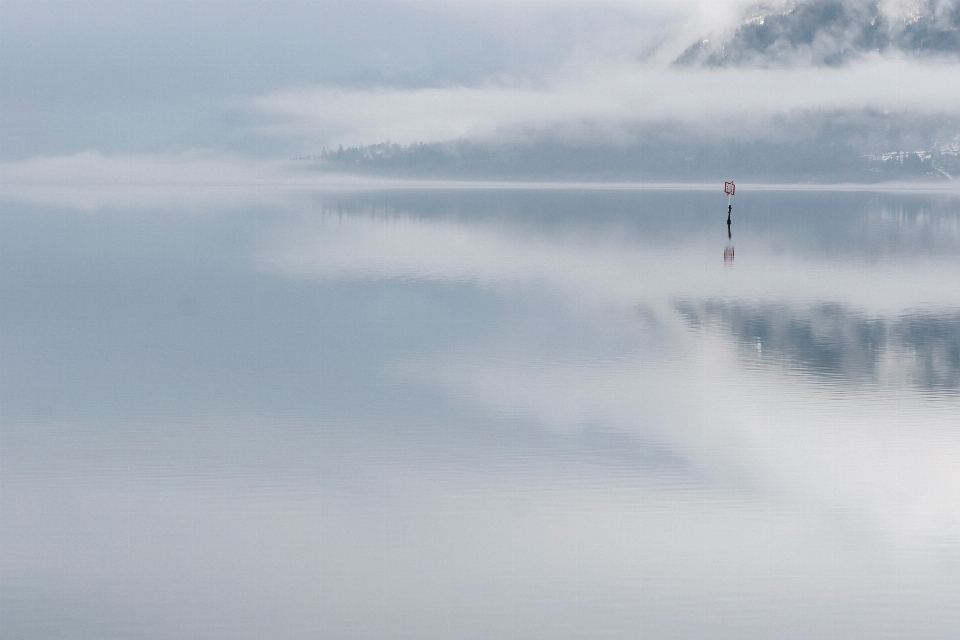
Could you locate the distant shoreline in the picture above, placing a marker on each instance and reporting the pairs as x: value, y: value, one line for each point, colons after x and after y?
x: 343, y: 182
x: 352, y: 182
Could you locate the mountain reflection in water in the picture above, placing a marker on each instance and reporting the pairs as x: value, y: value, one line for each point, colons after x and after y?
x: 831, y: 340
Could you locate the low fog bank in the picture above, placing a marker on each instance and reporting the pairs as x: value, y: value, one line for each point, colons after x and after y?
x: 812, y: 147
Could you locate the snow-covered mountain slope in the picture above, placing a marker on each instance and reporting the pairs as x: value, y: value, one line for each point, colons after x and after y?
x: 832, y: 32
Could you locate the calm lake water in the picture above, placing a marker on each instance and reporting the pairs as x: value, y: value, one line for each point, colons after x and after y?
x: 480, y: 414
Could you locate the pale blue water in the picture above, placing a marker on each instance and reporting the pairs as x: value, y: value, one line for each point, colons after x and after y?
x: 480, y: 414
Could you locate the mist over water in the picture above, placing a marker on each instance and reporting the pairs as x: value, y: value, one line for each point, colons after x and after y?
x: 480, y: 413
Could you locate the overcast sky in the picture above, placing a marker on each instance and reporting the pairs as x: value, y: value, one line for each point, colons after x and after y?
x: 280, y: 79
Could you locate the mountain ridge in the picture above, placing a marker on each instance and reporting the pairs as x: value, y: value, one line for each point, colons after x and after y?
x: 830, y: 33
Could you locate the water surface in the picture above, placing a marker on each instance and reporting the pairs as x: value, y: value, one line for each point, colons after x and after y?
x: 480, y: 413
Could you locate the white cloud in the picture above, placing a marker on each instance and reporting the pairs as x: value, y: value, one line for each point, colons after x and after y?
x: 605, y: 96
x: 603, y: 89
